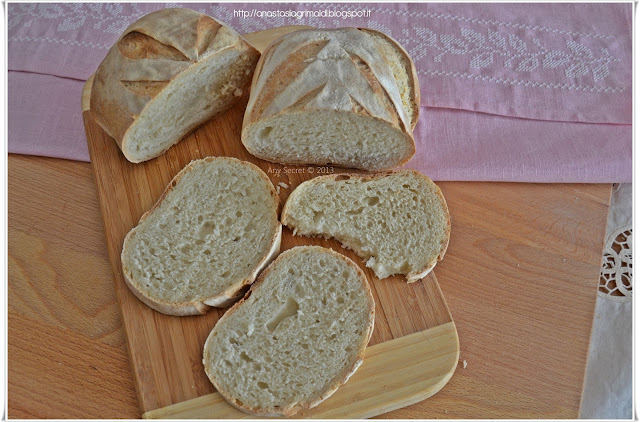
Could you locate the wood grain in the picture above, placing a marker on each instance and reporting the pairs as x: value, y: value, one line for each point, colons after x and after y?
x: 514, y: 358
x: 512, y: 244
x: 528, y: 262
x: 394, y: 374
x: 67, y: 353
x: 166, y: 351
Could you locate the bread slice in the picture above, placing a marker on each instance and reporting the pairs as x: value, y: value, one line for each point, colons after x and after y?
x: 347, y: 97
x: 397, y: 221
x: 298, y: 334
x: 210, y: 233
x: 168, y: 73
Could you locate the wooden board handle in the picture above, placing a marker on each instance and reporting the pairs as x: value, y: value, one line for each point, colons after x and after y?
x: 394, y: 374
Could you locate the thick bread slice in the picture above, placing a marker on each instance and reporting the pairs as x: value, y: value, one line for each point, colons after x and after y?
x: 209, y: 235
x: 169, y: 72
x: 347, y: 97
x: 397, y: 221
x: 298, y: 334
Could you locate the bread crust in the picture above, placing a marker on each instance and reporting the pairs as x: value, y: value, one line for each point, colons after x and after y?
x: 233, y: 292
x: 340, y: 379
x: 412, y: 73
x: 411, y: 276
x: 291, y: 50
x: 164, y: 45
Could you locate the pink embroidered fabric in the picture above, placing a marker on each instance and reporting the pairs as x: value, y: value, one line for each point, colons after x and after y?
x: 509, y: 92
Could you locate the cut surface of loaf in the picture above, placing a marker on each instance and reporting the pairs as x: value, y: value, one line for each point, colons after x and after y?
x: 398, y: 222
x: 169, y: 72
x: 211, y: 232
x: 347, y: 97
x: 297, y: 335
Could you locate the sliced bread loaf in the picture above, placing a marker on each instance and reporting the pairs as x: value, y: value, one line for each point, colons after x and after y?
x: 347, y: 97
x: 298, y: 334
x: 210, y: 233
x: 397, y: 221
x: 168, y: 73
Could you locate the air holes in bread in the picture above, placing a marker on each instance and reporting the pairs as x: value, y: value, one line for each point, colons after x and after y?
x: 289, y: 309
x: 265, y: 132
x: 372, y: 200
x: 356, y: 211
x: 397, y: 222
x: 317, y: 216
x: 206, y: 229
x: 292, y: 348
x: 191, y: 256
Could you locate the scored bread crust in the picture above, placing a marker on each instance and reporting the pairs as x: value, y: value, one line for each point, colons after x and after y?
x: 412, y: 276
x: 412, y: 75
x: 234, y: 291
x: 339, y: 380
x: 266, y: 85
x: 171, y: 43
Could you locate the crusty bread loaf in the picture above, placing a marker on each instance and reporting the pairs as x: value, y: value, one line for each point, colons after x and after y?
x: 397, y: 221
x: 210, y: 233
x: 347, y: 97
x: 298, y: 334
x: 169, y: 72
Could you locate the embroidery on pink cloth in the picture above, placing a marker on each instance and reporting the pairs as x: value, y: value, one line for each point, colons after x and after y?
x: 483, y: 51
x: 520, y: 86
x: 443, y: 45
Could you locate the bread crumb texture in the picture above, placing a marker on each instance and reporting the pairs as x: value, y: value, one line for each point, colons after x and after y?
x: 169, y: 72
x: 345, y: 97
x: 296, y: 337
x: 212, y: 230
x: 397, y: 222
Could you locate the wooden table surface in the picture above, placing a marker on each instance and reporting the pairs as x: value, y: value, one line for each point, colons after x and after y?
x: 524, y: 330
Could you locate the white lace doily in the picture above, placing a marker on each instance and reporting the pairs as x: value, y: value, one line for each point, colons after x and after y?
x: 616, y: 282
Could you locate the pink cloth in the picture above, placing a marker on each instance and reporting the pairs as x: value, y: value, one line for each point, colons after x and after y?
x: 510, y: 92
x: 44, y: 116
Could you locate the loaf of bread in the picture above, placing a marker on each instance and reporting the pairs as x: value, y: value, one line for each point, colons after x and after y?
x: 168, y: 73
x: 209, y: 235
x: 397, y: 221
x: 298, y: 334
x: 347, y: 97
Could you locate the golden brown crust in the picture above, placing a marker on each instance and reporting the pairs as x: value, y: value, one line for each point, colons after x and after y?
x: 288, y: 59
x: 302, y: 47
x: 412, y: 276
x: 286, y: 71
x: 168, y: 42
x: 231, y: 294
x: 342, y: 378
x: 412, y: 73
x: 266, y: 54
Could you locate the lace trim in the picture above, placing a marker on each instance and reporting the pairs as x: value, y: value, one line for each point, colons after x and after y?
x: 616, y: 279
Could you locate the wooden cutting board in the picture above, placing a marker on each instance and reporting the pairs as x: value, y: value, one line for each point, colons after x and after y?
x: 414, y: 348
